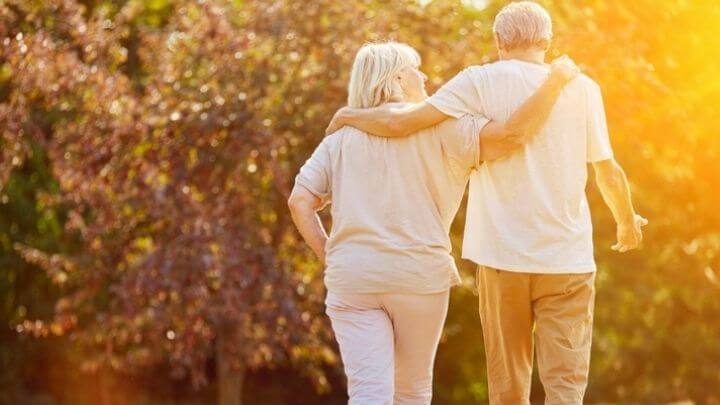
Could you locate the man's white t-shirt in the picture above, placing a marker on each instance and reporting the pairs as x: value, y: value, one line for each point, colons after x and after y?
x: 528, y: 212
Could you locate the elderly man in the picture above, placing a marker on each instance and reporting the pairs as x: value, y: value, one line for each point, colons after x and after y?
x: 528, y: 222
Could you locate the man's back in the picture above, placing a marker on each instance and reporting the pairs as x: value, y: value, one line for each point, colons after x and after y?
x: 528, y: 212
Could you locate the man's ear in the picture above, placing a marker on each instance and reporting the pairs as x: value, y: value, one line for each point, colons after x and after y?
x: 544, y: 44
x: 499, y: 47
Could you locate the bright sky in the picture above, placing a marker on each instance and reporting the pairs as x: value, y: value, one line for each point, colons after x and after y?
x: 471, y: 3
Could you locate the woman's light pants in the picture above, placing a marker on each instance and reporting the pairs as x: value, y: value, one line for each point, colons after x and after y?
x: 388, y: 344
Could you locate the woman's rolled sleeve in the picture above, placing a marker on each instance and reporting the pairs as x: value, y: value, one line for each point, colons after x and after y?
x: 314, y: 175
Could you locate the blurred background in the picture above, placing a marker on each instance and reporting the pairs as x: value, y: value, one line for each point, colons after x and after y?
x: 148, y: 148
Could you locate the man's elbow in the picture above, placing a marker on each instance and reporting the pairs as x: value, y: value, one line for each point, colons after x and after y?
x: 504, y: 135
x: 499, y: 146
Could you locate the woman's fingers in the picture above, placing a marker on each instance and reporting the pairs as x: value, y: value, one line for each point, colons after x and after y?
x: 565, y: 66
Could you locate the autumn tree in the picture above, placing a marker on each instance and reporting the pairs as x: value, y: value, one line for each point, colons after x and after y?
x: 161, y: 142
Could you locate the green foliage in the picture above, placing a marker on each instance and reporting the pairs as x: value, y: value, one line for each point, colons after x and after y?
x: 25, y: 291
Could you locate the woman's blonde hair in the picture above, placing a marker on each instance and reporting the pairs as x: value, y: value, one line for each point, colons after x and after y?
x: 375, y: 66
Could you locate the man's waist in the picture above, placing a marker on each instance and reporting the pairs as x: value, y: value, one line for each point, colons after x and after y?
x: 571, y: 262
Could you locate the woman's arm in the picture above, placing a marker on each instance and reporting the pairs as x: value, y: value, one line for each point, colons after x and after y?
x: 304, y: 206
x: 500, y: 139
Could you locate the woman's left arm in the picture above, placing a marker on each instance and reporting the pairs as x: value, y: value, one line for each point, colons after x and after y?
x: 501, y: 139
x: 304, y: 206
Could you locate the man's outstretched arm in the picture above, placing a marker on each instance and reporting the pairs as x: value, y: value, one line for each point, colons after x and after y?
x: 615, y: 190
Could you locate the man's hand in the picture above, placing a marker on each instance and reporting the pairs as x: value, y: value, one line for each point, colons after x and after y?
x: 337, y: 121
x: 564, y: 69
x: 629, y: 236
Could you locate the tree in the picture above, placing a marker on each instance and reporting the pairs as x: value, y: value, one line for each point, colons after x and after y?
x: 161, y: 149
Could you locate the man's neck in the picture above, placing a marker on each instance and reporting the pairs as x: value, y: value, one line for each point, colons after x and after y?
x: 527, y: 55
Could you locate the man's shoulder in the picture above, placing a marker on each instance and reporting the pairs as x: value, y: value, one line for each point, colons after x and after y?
x: 497, y: 66
x: 583, y: 87
x: 587, y: 82
x: 511, y: 67
x: 500, y: 69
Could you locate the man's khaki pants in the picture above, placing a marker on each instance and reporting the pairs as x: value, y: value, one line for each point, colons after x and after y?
x: 553, y: 310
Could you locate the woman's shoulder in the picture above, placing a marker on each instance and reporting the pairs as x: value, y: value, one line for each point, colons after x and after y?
x: 343, y: 132
x: 336, y: 140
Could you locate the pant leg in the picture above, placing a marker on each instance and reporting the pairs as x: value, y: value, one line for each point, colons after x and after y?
x: 507, y: 322
x: 365, y: 336
x: 418, y: 321
x: 563, y: 308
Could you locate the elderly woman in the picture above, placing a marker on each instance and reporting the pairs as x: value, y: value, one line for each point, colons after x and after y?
x: 388, y: 256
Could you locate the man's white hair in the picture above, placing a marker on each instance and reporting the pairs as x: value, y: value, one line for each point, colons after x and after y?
x: 375, y: 67
x: 522, y: 24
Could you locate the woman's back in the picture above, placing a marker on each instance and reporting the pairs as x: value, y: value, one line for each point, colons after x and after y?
x: 393, y: 201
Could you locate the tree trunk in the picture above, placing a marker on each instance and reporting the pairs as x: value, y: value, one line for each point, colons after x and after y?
x: 230, y: 369
x: 103, y: 386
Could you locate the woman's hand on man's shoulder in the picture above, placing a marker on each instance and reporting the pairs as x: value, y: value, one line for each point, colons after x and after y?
x: 564, y: 69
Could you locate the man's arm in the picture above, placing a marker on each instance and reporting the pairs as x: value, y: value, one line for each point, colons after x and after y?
x: 615, y: 190
x: 497, y: 139
x: 389, y: 120
x: 304, y: 206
